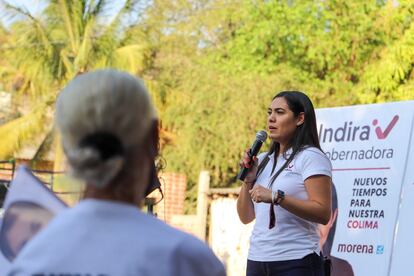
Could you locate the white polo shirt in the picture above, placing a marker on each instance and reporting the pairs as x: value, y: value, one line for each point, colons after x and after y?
x: 292, y: 237
x: 104, y: 238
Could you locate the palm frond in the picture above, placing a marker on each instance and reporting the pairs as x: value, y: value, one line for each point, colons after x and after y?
x: 83, y: 56
x: 31, y: 52
x: 36, y: 26
x: 98, y: 9
x: 21, y: 131
x: 46, y: 51
x: 113, y: 30
x: 130, y: 58
x: 65, y: 11
x: 125, y: 11
x: 66, y: 64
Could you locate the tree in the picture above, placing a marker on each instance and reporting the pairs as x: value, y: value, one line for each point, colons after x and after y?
x: 218, y: 64
x: 68, y: 38
x: 212, y: 66
x: 389, y: 76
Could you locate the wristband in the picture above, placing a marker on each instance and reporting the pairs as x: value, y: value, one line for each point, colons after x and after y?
x: 280, y: 197
x: 273, y: 197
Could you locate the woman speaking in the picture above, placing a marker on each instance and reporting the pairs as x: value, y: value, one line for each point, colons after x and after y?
x: 288, y: 191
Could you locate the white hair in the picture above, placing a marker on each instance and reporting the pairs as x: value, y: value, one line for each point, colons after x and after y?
x: 104, y: 101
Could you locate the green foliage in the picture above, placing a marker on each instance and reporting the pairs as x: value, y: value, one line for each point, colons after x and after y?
x: 220, y: 62
x: 68, y: 38
x: 24, y: 128
x: 215, y: 116
x: 390, y: 78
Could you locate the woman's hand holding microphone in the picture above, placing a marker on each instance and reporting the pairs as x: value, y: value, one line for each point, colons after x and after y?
x: 258, y: 193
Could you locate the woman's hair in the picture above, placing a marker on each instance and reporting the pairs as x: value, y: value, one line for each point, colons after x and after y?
x: 329, y: 240
x: 306, y: 134
x: 102, y: 115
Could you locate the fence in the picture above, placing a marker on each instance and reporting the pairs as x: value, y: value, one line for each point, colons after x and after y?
x: 69, y: 190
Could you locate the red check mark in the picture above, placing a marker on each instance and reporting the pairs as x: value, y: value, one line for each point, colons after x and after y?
x: 383, y: 134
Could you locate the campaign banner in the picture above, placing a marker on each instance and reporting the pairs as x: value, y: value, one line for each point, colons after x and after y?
x: 368, y: 146
x: 401, y: 259
x: 28, y: 208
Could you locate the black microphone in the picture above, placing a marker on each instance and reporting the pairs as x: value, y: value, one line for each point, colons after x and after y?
x: 261, y: 136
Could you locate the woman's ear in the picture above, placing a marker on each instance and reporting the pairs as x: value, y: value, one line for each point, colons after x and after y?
x: 300, y: 119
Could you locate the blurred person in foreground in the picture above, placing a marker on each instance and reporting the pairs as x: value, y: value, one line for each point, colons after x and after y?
x: 109, y: 131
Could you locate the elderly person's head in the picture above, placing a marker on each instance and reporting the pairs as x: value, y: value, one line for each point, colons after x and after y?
x: 109, y: 133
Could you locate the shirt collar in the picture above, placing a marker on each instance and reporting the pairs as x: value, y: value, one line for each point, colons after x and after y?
x: 288, y: 153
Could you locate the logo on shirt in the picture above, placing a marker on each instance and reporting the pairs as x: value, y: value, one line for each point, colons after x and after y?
x: 289, y: 167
